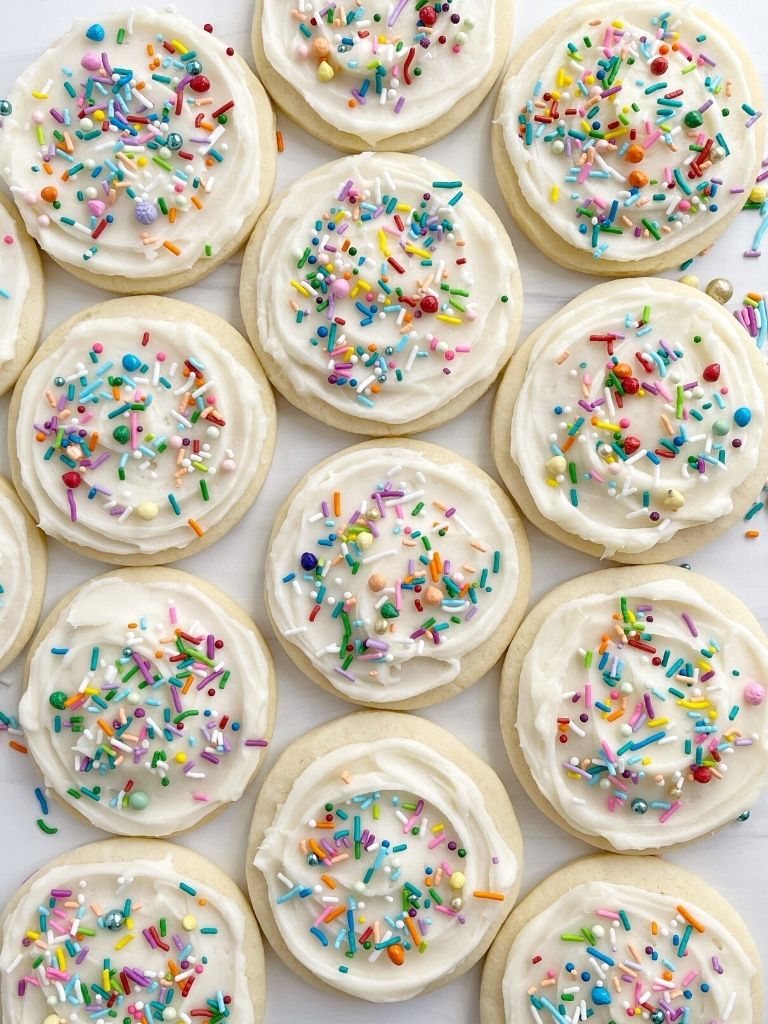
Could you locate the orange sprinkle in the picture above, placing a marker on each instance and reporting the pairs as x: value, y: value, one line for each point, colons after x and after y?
x: 615, y: 714
x: 328, y: 881
x: 47, y: 168
x: 336, y: 912
x: 690, y: 918
x: 417, y: 938
x: 172, y: 216
x: 654, y: 928
x: 17, y: 746
x: 105, y: 726
x: 280, y: 143
x: 187, y: 684
x: 438, y: 561
x: 568, y: 442
x: 196, y: 527
x: 317, y: 849
x: 481, y: 894
x: 337, y: 503
x: 196, y: 202
x: 752, y: 534
x: 172, y: 248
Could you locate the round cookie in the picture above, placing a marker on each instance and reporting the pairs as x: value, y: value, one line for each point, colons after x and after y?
x: 158, y: 143
x: 149, y: 698
x: 136, y: 380
x: 22, y: 295
x: 633, y: 707
x: 623, y: 143
x: 163, y: 931
x: 23, y: 572
x: 381, y: 294
x: 390, y: 77
x: 419, y: 829
x: 637, y: 914
x: 630, y: 424
x: 397, y: 573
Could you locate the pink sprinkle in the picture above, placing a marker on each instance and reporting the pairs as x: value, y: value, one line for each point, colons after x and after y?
x: 668, y: 814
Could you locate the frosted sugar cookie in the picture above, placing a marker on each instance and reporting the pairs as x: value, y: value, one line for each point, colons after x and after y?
x: 23, y: 570
x: 141, y: 431
x: 383, y: 856
x: 627, y: 137
x: 22, y: 295
x: 609, y: 938
x: 130, y: 930
x: 397, y: 573
x: 149, y: 698
x: 633, y: 707
x: 380, y: 75
x: 382, y: 294
x: 630, y: 425
x: 139, y: 149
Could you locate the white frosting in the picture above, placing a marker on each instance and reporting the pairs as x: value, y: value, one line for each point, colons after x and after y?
x: 14, y: 285
x: 717, y: 703
x: 459, y: 340
x: 551, y: 158
x: 389, y: 662
x: 568, y: 372
x: 230, y: 445
x: 362, y: 781
x: 216, y: 960
x: 116, y: 624
x: 712, y: 958
x: 15, y: 572
x: 403, y: 98
x: 227, y: 190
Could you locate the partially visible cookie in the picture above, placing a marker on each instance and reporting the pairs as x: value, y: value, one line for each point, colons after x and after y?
x: 387, y: 76
x: 130, y: 929
x: 383, y: 856
x: 149, y: 699
x: 23, y: 573
x: 631, y: 424
x: 633, y: 707
x: 397, y: 573
x: 610, y: 938
x: 139, y: 149
x: 22, y: 295
x: 141, y: 431
x: 381, y: 294
x: 627, y: 136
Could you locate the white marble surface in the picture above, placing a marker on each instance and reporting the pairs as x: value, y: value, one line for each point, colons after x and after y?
x: 734, y: 861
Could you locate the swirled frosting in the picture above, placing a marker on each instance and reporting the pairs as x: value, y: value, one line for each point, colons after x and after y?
x: 380, y: 69
x: 388, y: 568
x: 632, y: 129
x: 385, y: 868
x: 137, y: 434
x: 14, y: 285
x: 15, y: 572
x: 639, y: 415
x: 606, y: 951
x: 642, y: 714
x: 146, y: 705
x: 148, y: 132
x: 383, y: 288
x: 131, y: 940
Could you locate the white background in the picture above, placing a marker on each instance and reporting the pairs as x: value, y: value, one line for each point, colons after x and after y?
x: 734, y: 861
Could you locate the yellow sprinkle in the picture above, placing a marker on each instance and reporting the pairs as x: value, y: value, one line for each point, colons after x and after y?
x: 40, y: 95
x: 555, y: 193
x: 419, y: 252
x: 448, y: 319
x: 179, y: 46
x: 105, y: 979
x: 300, y: 288
x: 383, y: 243
x: 657, y: 721
x: 124, y: 941
x: 61, y: 958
